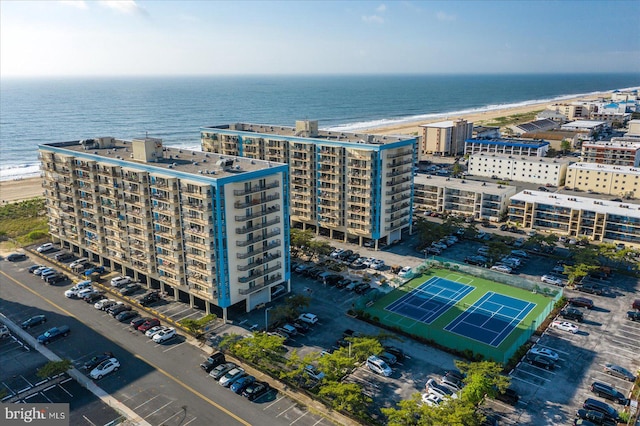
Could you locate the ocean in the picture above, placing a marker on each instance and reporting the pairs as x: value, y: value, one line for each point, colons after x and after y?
x: 36, y: 111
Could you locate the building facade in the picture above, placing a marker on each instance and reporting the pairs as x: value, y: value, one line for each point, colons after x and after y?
x: 617, y: 152
x: 479, y: 200
x: 588, y: 127
x: 347, y: 186
x: 506, y: 146
x: 622, y: 181
x: 544, y: 171
x: 563, y: 214
x: 445, y: 138
x: 202, y: 228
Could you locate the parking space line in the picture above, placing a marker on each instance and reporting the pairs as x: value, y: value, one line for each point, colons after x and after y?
x: 321, y: 419
x: 305, y: 413
x: 66, y: 391
x: 88, y: 421
x: 193, y: 419
x: 149, y: 400
x: 526, y: 381
x: 179, y: 412
x: 553, y: 349
x: 623, y: 349
x: 174, y: 346
x: 190, y: 315
x: 153, y: 412
x: 274, y: 402
x: 282, y: 412
x: 178, y: 313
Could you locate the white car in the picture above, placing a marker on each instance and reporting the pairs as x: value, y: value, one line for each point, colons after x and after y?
x: 545, y: 352
x: 153, y: 330
x: 308, y: 318
x: 337, y: 252
x: 104, y: 304
x: 565, y: 326
x: 45, y: 248
x: 378, y: 366
x: 439, y: 245
x: 405, y: 272
x: 368, y: 261
x: 377, y: 264
x: 502, y: 268
x: 78, y: 262
x: 164, y: 335
x: 442, y: 391
x: 75, y: 290
x: 233, y: 375
x: 431, y: 399
x: 483, y: 251
x: 120, y: 281
x: 550, y: 279
x: 105, y: 367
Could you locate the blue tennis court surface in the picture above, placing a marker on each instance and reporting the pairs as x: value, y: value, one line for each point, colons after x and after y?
x: 430, y: 300
x: 491, y: 318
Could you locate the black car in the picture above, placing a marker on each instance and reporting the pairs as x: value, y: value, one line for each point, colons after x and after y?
x: 572, y: 313
x: 97, y: 360
x: 362, y: 288
x: 608, y: 392
x: 343, y: 283
x: 93, y: 298
x: 345, y: 255
x: 130, y: 289
x: 63, y: 257
x: 602, y: 407
x: 213, y: 361
x: 33, y: 321
x: 633, y: 315
x: 590, y: 288
x: 332, y: 279
x: 115, y: 310
x: 53, y: 334
x: 126, y: 316
x: 16, y: 257
x: 34, y: 267
x: 352, y: 258
x: 256, y: 390
x: 582, y: 302
x: 395, y: 352
x: 301, y: 327
x: 57, y: 278
x: 509, y: 396
x: 540, y: 361
x: 149, y: 298
x: 137, y: 322
x: 595, y: 417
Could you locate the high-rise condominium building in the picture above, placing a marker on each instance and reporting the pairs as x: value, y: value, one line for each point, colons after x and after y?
x: 445, y: 138
x: 209, y: 229
x: 348, y: 186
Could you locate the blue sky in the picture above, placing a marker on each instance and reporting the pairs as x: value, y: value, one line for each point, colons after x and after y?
x: 61, y: 38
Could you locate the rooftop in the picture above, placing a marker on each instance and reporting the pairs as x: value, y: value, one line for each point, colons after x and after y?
x: 632, y: 143
x: 584, y: 124
x: 556, y: 135
x: 597, y: 205
x: 441, y: 124
x: 324, y: 135
x: 525, y: 159
x: 465, y: 184
x: 509, y: 142
x: 199, y: 163
x: 606, y: 168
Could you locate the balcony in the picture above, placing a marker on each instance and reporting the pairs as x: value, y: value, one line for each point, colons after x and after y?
x: 395, y: 182
x: 257, y: 227
x: 268, y: 247
x: 397, y: 225
x: 260, y: 273
x: 401, y: 154
x: 254, y: 189
x: 260, y: 213
x: 401, y: 162
x: 256, y: 201
x: 258, y: 238
x: 396, y: 208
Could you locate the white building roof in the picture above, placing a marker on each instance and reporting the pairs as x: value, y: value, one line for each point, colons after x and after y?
x: 607, y: 168
x: 519, y: 158
x: 463, y: 184
x: 584, y: 124
x: 615, y: 144
x: 579, y: 203
x: 440, y: 124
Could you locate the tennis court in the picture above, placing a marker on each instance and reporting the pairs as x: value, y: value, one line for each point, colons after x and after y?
x: 491, y: 318
x: 430, y: 300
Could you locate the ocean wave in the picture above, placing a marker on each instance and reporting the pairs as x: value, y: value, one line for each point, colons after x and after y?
x: 386, y: 122
x: 16, y: 172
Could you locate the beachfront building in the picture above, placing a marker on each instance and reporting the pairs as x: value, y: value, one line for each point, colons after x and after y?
x: 579, y: 110
x: 587, y: 127
x: 622, y: 181
x: 486, y: 132
x: 479, y: 200
x: 534, y: 126
x: 445, y: 138
x: 347, y: 186
x: 625, y: 95
x: 506, y: 146
x: 543, y: 171
x: 617, y: 152
x: 208, y: 229
x: 564, y: 214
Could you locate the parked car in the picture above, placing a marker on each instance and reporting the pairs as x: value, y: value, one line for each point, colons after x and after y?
x: 104, y: 304
x: 454, y: 379
x: 129, y: 289
x: 96, y: 269
x: 582, y: 302
x: 520, y: 253
x: 602, y: 407
x: 150, y: 323
x: 606, y: 391
x: 126, y: 316
x: 398, y: 353
x: 213, y: 361
x: 239, y: 385
x: 57, y: 278
x: 387, y: 357
x: 33, y: 321
x: 120, y: 281
x: 97, y: 360
x: 502, y: 268
x: 313, y: 372
x: 76, y: 289
x: 565, y: 326
x: 308, y: 318
x: 34, y: 268
x: 378, y: 366
x: 164, y: 335
x: 93, y: 297
x: 540, y: 361
x: 405, y: 272
x: 53, y: 334
x: 633, y: 315
x: 256, y: 390
x: 336, y: 253
x: 636, y: 305
x: 508, y: 396
x: 221, y: 370
x: 377, y: 264
x: 548, y: 353
x: 115, y: 310
x: 431, y: 399
x: 149, y: 298
x: 63, y: 257
x: 442, y: 391
x: 16, y: 257
x: 594, y: 418
x: 106, y: 367
x: 620, y: 372
x: 590, y: 288
x: 134, y: 323
x: 572, y: 313
x: 550, y: 279
x: 78, y: 262
x: 154, y: 330
x: 4, y: 331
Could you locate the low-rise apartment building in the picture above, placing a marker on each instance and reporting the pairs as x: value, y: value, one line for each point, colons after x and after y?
x: 588, y: 127
x: 506, y: 146
x: 445, y: 138
x: 347, y: 186
x: 479, y: 200
x: 201, y: 227
x: 622, y: 181
x: 544, y: 171
x: 617, y: 152
x: 564, y: 214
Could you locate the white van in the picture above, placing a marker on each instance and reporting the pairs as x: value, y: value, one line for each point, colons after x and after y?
x: 78, y: 262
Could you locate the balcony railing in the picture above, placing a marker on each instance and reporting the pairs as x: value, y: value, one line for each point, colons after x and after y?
x: 254, y: 189
x: 260, y: 213
x: 257, y: 227
x: 268, y: 247
x: 266, y: 258
x: 260, y: 273
x: 258, y: 238
x: 400, y: 154
x: 256, y: 201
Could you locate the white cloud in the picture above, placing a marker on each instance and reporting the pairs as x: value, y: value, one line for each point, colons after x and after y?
x: 123, y: 6
x: 381, y: 8
x: 373, y: 19
x: 442, y: 16
x: 79, y: 4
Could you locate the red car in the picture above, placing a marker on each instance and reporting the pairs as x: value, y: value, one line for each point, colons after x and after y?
x: 581, y: 301
x: 636, y: 304
x: 148, y: 324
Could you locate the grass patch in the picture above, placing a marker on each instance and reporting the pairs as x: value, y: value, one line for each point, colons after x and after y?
x: 508, y: 120
x: 25, y: 222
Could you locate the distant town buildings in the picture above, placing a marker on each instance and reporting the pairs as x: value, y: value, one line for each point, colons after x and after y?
x: 506, y: 146
x: 563, y: 214
x: 540, y: 125
x: 348, y: 186
x: 445, y: 138
x: 479, y: 200
x: 208, y: 229
x: 544, y: 171
x: 623, y: 181
x: 587, y: 127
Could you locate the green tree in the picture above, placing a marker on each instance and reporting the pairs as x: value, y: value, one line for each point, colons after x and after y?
x: 196, y: 327
x: 362, y: 347
x: 53, y: 368
x: 346, y: 396
x: 261, y: 348
x: 456, y: 169
x: 336, y: 364
x: 295, y: 366
x: 408, y: 412
x: 319, y: 248
x: 580, y: 270
x: 497, y: 250
x: 291, y: 309
x: 300, y: 240
x: 482, y: 379
x: 565, y: 146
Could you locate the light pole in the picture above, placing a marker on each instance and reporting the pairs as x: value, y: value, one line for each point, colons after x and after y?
x: 266, y: 318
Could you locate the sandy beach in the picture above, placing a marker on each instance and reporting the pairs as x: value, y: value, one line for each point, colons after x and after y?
x: 24, y: 189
